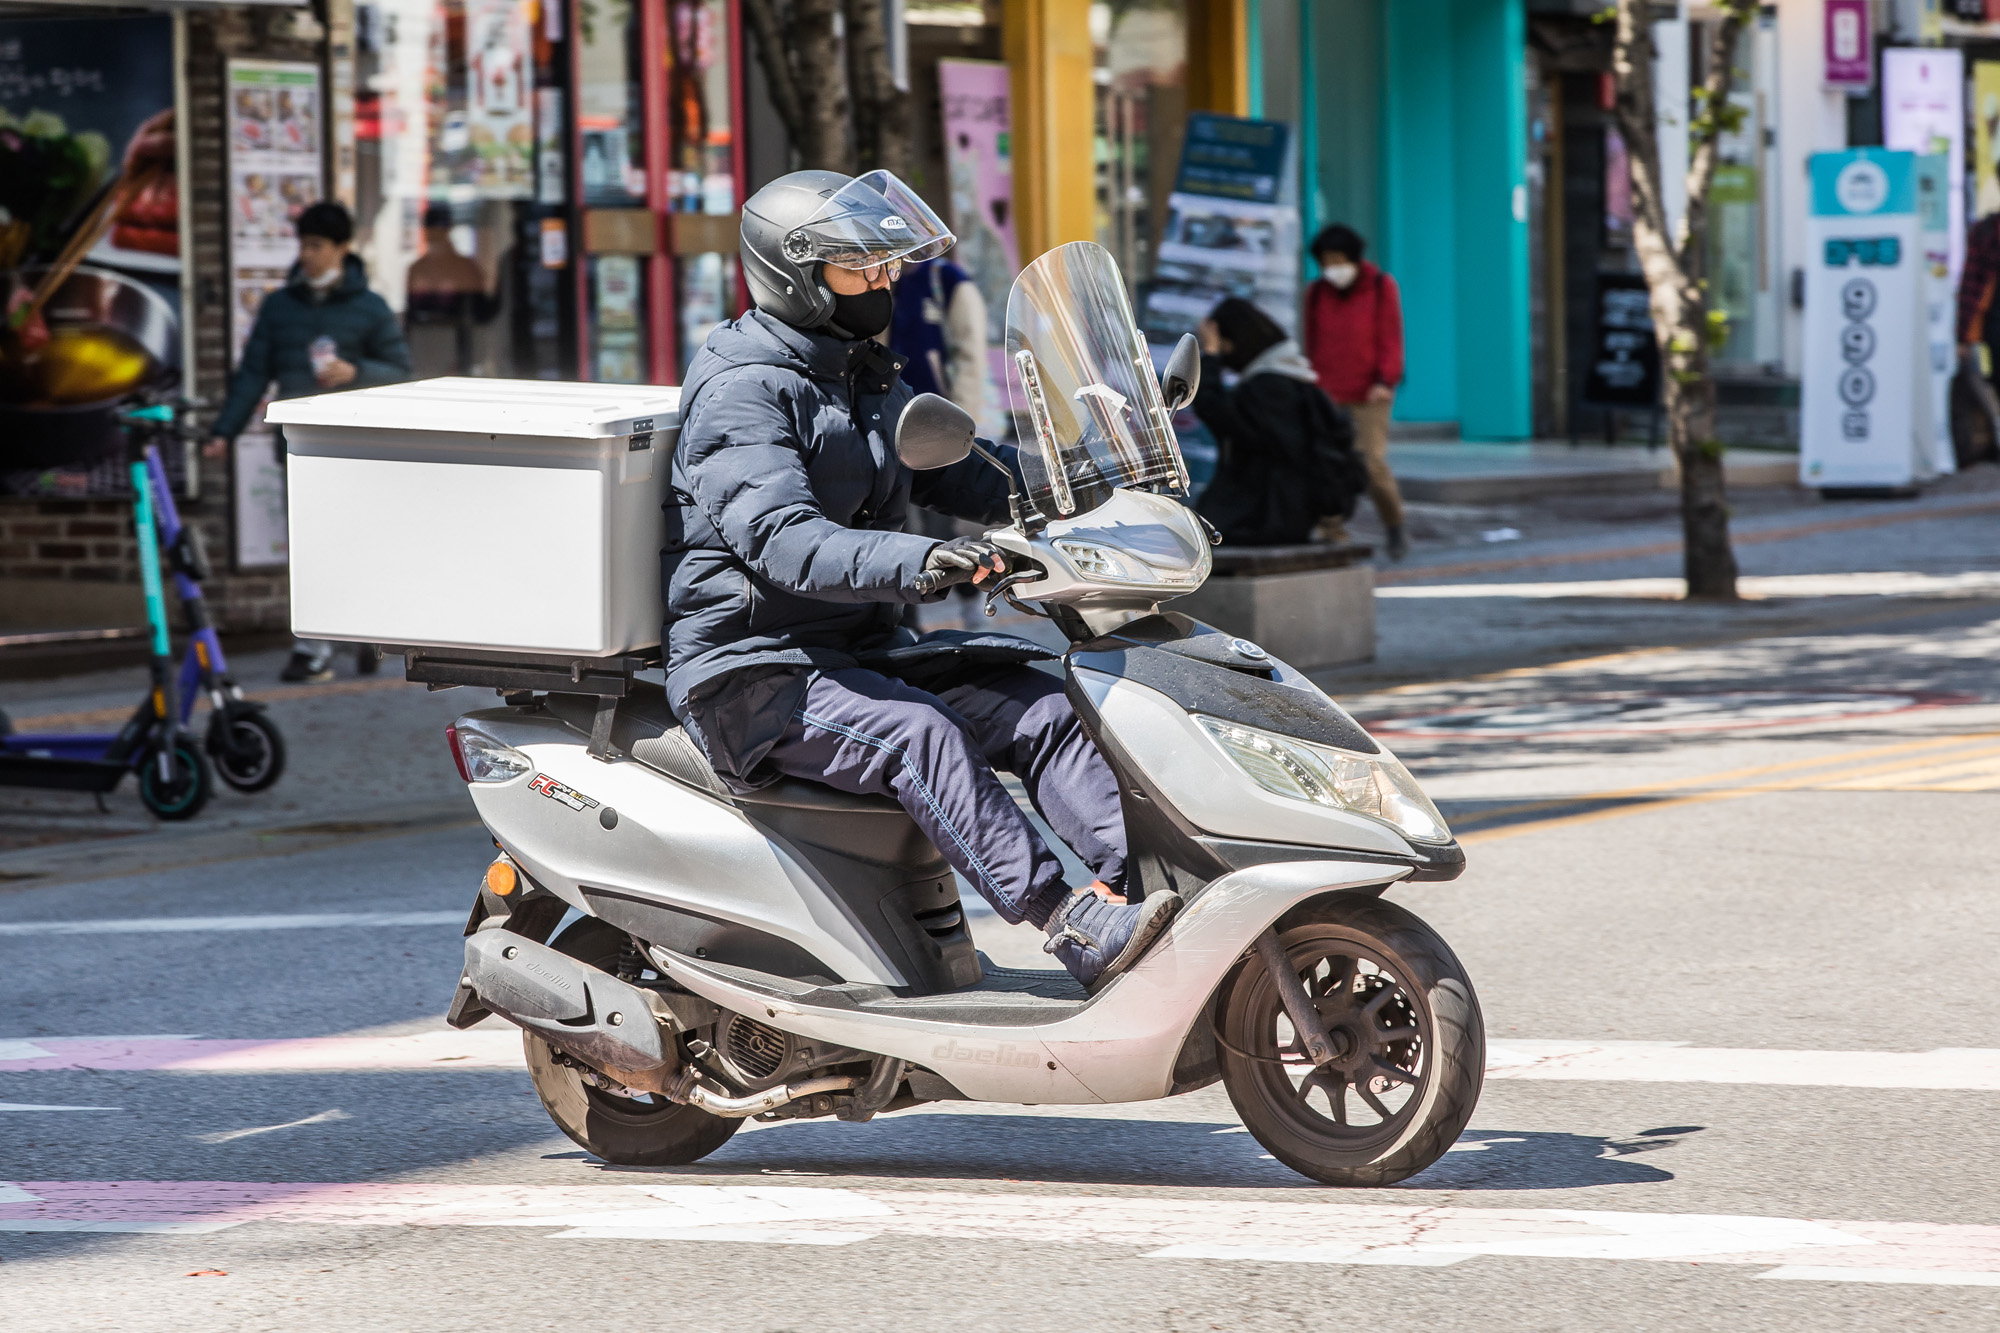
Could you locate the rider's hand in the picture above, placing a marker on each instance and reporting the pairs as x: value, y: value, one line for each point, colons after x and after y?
x: 217, y: 447
x: 336, y: 373
x: 965, y: 559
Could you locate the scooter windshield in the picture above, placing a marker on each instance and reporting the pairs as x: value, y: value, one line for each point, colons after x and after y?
x: 1084, y: 381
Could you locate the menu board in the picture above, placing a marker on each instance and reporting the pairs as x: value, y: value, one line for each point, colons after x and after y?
x: 276, y: 169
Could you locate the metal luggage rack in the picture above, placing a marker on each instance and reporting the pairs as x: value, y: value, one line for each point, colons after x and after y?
x: 512, y: 674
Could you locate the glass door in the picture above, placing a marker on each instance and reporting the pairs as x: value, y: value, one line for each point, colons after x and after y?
x: 704, y: 173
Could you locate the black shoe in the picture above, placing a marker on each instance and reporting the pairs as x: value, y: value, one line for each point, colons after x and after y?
x: 367, y: 659
x: 1096, y: 940
x: 1398, y: 544
x: 306, y: 667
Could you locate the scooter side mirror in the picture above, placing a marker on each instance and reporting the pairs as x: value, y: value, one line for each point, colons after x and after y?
x: 933, y: 432
x: 1182, y: 375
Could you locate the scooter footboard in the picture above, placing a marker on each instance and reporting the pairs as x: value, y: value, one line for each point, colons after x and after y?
x: 1118, y: 1046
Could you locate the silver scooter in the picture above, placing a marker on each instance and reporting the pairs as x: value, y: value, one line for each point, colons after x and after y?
x: 800, y: 952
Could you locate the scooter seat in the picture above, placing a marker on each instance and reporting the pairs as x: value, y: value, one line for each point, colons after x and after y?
x: 645, y: 728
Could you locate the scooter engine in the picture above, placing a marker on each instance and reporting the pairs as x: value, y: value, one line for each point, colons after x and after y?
x: 756, y: 1056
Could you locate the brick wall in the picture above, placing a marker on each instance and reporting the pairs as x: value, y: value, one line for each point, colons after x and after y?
x: 90, y: 541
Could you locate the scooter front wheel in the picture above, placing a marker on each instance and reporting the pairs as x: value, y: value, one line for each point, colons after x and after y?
x: 1409, y: 1047
x: 183, y: 789
x: 248, y: 751
x: 647, y: 1130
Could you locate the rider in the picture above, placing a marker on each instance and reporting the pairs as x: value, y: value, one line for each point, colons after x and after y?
x: 787, y: 573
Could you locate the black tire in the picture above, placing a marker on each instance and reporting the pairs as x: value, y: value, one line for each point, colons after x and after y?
x: 619, y: 1130
x: 182, y: 794
x: 249, y: 752
x: 1426, y: 1030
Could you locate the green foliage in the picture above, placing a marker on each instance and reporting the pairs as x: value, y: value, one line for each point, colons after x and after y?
x: 1712, y: 122
x: 1718, y: 329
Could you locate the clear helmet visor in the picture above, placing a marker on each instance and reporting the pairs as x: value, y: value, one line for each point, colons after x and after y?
x: 872, y: 220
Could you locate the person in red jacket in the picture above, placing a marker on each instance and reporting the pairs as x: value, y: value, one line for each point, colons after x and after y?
x: 1354, y: 339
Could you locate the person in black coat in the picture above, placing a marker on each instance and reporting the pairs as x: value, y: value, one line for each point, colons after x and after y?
x: 1287, y: 449
x: 787, y: 570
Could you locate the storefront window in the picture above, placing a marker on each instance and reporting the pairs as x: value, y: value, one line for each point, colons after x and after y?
x: 611, y: 134
x: 459, y: 187
x: 1739, y: 266
x: 1141, y: 71
x: 701, y: 177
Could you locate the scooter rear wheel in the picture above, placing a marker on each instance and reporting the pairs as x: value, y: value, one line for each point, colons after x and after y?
x: 184, y: 790
x: 624, y: 1131
x: 1409, y: 1045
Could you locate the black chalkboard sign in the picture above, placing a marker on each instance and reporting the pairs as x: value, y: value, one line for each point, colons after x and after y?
x: 1624, y: 358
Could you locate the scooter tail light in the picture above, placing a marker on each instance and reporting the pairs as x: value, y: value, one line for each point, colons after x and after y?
x: 457, y: 756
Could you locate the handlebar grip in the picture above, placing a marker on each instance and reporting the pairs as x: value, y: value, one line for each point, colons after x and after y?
x: 929, y: 581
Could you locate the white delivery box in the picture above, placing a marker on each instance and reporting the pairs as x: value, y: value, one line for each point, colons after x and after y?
x: 497, y: 515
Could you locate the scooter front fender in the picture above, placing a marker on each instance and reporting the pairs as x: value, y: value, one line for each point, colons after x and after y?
x: 1120, y: 1046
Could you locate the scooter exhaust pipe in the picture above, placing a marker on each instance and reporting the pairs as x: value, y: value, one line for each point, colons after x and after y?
x: 583, y: 1011
x: 607, y: 1024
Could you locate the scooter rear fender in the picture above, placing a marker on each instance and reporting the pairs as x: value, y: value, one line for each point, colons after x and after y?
x: 1119, y: 1046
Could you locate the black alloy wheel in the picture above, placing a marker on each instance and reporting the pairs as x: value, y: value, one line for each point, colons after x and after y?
x: 1409, y: 1048
x: 249, y: 753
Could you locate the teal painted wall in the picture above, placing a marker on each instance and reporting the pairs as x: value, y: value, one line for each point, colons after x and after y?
x: 1417, y: 138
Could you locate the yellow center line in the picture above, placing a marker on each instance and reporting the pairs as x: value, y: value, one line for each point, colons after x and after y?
x: 1699, y: 790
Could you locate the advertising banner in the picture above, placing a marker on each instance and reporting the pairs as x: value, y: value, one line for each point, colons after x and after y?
x: 1940, y: 296
x: 1864, y: 400
x: 1849, y: 46
x: 275, y: 172
x: 499, y: 156
x: 1986, y: 137
x: 86, y: 118
x: 1923, y: 112
x: 1230, y: 229
x: 978, y: 151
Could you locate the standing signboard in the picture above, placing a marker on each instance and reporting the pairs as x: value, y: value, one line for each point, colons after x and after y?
x: 1229, y: 230
x: 1862, y: 405
x: 1625, y: 362
x: 978, y: 153
x: 276, y: 169
x: 1940, y: 296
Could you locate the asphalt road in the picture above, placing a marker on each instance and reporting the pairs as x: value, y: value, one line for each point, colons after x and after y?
x: 1713, y: 891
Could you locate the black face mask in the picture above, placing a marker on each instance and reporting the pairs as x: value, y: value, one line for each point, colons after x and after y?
x: 864, y: 315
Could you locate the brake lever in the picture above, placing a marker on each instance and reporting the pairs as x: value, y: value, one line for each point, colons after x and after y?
x: 1006, y: 581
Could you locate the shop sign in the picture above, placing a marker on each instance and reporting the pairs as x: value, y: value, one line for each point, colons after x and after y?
x: 978, y: 138
x: 1849, y: 46
x: 84, y: 104
x: 1864, y: 409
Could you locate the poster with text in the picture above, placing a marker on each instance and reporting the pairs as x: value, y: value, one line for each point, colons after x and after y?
x: 1923, y: 112
x: 499, y: 99
x: 276, y: 169
x: 978, y: 148
x: 1231, y: 227
x: 86, y: 107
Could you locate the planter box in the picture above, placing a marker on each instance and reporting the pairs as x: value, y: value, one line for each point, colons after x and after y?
x: 1310, y: 606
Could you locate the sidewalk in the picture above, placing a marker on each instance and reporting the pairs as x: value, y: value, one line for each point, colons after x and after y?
x: 1466, y: 472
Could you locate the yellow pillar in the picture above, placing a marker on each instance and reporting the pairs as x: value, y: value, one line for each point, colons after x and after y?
x: 1218, y: 67
x: 1054, y: 115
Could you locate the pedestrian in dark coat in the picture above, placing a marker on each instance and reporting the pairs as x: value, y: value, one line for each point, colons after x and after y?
x: 786, y: 572
x: 322, y: 332
x: 1287, y: 450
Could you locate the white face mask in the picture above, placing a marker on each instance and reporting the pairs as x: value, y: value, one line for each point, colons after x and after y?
x: 1340, y: 275
x: 323, y: 281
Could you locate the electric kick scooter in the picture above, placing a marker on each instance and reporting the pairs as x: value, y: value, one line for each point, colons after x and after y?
x: 175, y: 776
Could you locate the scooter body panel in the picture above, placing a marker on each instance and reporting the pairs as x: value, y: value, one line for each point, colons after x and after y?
x: 668, y: 844
x: 1120, y: 1046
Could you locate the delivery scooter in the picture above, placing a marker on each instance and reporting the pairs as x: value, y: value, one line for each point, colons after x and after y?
x: 175, y: 776
x: 800, y: 952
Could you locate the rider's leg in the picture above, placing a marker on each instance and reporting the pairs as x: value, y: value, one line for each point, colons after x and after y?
x: 863, y: 732
x: 1024, y: 723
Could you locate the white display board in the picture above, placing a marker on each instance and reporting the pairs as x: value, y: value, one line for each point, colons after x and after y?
x: 1864, y: 400
x: 1940, y: 287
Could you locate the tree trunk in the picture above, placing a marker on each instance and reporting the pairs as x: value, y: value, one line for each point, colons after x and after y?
x: 881, y: 109
x: 1674, y: 266
x: 768, y: 27
x: 819, y: 64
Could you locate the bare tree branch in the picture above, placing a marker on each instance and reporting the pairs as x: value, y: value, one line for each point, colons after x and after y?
x: 1717, y: 117
x: 768, y: 26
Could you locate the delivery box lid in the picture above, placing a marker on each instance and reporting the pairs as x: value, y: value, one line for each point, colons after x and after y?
x: 546, y: 408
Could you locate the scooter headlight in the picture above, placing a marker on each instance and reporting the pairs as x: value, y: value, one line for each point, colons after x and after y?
x: 1375, y: 785
x: 483, y: 759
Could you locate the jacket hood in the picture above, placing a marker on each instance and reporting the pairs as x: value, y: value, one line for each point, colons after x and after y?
x: 759, y: 339
x: 1282, y: 358
x: 353, y: 277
